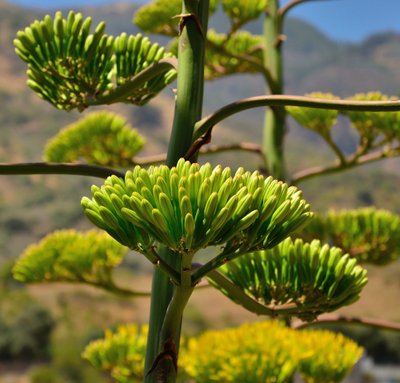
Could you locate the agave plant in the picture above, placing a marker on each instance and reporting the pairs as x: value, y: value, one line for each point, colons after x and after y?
x: 120, y: 353
x: 318, y: 120
x: 370, y: 125
x: 247, y: 353
x: 169, y: 213
x: 100, y: 138
x: 327, y: 364
x: 162, y: 16
x: 369, y: 235
x: 190, y: 207
x: 69, y: 256
x: 292, y: 279
x: 71, y: 68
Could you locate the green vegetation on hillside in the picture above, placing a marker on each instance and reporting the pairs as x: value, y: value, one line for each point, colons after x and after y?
x: 32, y: 206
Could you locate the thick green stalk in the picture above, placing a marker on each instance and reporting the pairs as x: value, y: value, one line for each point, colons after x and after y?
x: 161, y: 293
x: 189, y: 99
x: 170, y: 332
x: 274, y: 123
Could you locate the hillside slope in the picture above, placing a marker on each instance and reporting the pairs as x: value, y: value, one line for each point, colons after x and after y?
x: 31, y: 206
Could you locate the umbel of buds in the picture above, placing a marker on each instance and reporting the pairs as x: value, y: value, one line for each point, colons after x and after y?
x: 72, y: 68
x: 297, y: 278
x: 189, y: 207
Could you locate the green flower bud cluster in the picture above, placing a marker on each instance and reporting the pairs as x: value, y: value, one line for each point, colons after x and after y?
x: 70, y: 68
x: 373, y: 124
x: 243, y: 11
x: 100, y: 138
x: 161, y: 16
x: 70, y: 256
x: 318, y: 120
x: 120, y: 353
x: 63, y: 58
x: 189, y: 207
x: 298, y: 279
x: 368, y: 234
x: 223, y: 53
x: 132, y: 55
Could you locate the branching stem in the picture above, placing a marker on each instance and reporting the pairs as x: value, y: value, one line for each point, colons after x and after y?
x: 122, y: 92
x: 211, y: 120
x: 343, y: 319
x: 210, y: 149
x: 335, y: 148
x: 56, y: 168
x: 283, y: 11
x: 162, y: 344
x: 257, y: 65
x: 152, y: 255
x: 214, y: 263
x: 350, y: 162
x: 240, y: 297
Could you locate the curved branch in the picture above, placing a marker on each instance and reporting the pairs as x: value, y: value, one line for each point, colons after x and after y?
x: 349, y: 163
x: 211, y: 149
x: 28, y: 168
x: 335, y: 148
x: 207, y: 123
x: 342, y: 319
x: 124, y: 293
x: 247, y: 58
x: 121, y: 92
x: 214, y: 264
x: 57, y: 168
x: 152, y: 255
x: 242, y: 146
x: 240, y: 297
x: 150, y: 160
x: 108, y: 287
x: 286, y: 8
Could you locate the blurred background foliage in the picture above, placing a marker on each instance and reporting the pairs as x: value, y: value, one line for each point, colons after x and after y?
x: 58, y: 321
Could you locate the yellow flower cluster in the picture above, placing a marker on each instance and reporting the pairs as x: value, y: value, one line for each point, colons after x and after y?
x: 319, y: 120
x: 269, y: 352
x: 121, y: 353
x: 99, y: 138
x: 251, y: 353
x: 71, y: 256
x: 333, y: 356
x: 263, y: 352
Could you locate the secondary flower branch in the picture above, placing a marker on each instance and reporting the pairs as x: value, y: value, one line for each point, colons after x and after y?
x: 350, y: 162
x: 343, y: 319
x: 211, y: 120
x: 56, y: 168
x: 122, y: 92
x: 203, y: 128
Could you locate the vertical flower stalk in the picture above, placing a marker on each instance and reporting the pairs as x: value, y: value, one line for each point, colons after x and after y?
x: 163, y: 344
x: 274, y: 122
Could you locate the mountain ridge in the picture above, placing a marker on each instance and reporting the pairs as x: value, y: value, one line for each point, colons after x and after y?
x: 312, y: 62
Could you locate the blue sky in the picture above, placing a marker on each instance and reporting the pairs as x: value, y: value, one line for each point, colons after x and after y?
x: 344, y: 20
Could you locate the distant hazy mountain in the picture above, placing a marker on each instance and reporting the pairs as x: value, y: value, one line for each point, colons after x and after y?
x: 312, y: 60
x: 32, y: 206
